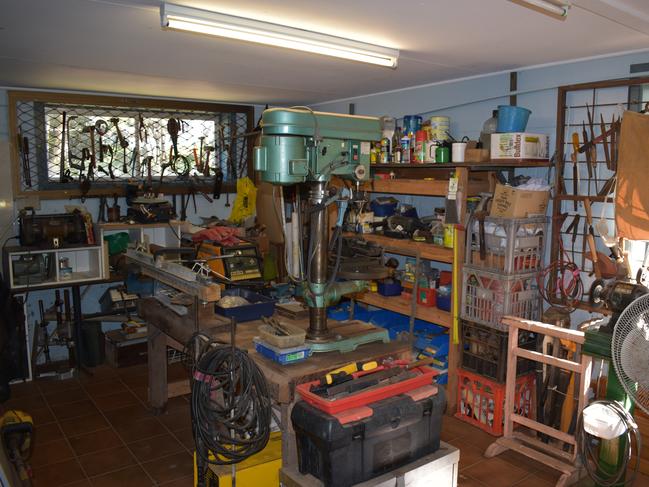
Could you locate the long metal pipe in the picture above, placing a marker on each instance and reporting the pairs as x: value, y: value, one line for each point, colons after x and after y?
x: 318, y: 259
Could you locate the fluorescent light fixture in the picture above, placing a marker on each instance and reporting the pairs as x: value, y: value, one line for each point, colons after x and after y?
x: 217, y: 24
x: 556, y: 9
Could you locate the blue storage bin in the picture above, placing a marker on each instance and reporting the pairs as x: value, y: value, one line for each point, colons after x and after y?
x: 384, y: 206
x: 259, y: 306
x: 512, y: 118
x: 340, y: 312
x: 393, y: 288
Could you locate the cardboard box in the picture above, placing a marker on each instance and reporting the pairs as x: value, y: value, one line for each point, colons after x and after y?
x: 519, y: 145
x: 510, y: 202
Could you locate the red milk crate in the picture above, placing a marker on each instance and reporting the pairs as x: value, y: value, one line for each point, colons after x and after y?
x: 481, y: 401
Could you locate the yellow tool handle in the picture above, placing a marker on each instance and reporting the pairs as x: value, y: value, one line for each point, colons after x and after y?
x: 575, y: 145
x: 350, y: 369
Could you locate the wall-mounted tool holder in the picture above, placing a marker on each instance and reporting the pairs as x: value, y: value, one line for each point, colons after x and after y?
x: 68, y: 145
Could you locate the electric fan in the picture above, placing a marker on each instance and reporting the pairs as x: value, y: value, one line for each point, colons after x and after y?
x: 630, y: 351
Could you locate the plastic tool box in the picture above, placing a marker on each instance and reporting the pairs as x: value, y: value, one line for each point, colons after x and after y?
x: 390, y: 433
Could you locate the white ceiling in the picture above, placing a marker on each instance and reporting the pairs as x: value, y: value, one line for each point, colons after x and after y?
x: 117, y: 46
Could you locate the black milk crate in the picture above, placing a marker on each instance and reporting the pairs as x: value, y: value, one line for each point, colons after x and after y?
x: 488, y: 296
x: 510, y: 245
x: 484, y: 351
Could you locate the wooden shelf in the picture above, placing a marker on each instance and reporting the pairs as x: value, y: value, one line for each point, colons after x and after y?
x: 409, y: 247
x: 473, y: 166
x: 420, y: 187
x: 400, y: 305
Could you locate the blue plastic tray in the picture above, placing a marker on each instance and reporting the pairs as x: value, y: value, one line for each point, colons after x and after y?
x: 283, y: 356
x: 259, y: 306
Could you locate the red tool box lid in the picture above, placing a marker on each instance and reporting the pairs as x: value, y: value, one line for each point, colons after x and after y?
x: 334, y: 406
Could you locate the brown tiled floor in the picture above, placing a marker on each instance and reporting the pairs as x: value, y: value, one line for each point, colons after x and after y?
x: 98, y: 432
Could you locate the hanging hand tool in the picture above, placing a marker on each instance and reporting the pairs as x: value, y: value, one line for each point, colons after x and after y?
x: 142, y: 130
x: 173, y: 128
x: 123, y: 143
x: 602, y: 126
x: 574, y: 228
x: 109, y: 150
x: 589, y: 165
x: 148, y: 162
x: 218, y: 183
x: 71, y: 155
x: 62, y: 164
x: 134, y: 154
x: 90, y: 129
x: 593, y: 149
x: 23, y: 148
x: 197, y: 161
x: 101, y: 215
x: 590, y: 237
x: 206, y: 165
x: 575, y: 167
x: 162, y: 172
x: 101, y: 127
x: 615, y: 127
x: 197, y: 187
x: 200, y: 153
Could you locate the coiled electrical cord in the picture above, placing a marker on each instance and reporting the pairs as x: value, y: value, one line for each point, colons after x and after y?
x: 560, y: 283
x: 589, y: 453
x: 230, y: 405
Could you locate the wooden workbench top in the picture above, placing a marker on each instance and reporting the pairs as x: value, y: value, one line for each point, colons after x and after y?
x: 281, y: 378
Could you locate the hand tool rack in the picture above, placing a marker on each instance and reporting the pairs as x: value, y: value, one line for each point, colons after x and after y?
x: 585, y: 168
x: 67, y: 145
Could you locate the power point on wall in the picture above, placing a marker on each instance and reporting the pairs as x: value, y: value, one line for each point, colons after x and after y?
x: 27, y: 202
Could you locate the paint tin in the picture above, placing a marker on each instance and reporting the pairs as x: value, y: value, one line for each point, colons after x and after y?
x: 439, y: 126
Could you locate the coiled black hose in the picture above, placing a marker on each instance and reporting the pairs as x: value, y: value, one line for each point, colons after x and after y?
x: 589, y: 453
x: 230, y: 406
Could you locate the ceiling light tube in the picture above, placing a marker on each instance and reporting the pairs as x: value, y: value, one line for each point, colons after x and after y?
x: 177, y: 17
x: 553, y: 8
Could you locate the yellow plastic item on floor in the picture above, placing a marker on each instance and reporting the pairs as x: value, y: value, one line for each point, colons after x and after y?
x: 258, y: 470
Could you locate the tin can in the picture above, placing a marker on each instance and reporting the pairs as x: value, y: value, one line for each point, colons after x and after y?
x: 405, y: 149
x: 448, y: 235
x: 385, y: 151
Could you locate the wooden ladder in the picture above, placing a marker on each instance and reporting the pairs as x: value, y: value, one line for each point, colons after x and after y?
x: 550, y: 455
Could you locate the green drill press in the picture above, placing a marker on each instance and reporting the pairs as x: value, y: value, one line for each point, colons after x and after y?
x: 300, y: 146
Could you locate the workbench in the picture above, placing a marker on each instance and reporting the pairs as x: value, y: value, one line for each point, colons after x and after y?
x: 164, y: 324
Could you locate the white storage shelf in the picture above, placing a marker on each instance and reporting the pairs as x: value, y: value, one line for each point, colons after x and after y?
x: 35, y: 268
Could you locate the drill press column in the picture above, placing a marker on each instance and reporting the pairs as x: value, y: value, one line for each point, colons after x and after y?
x: 317, y: 261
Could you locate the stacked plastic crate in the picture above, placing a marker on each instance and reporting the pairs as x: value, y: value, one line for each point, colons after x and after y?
x: 504, y: 256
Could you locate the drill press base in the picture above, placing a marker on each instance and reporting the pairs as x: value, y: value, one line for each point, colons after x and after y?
x: 348, y: 336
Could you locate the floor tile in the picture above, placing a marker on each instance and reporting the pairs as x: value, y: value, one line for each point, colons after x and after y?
x: 83, y: 424
x: 170, y: 467
x: 106, y: 461
x: 24, y: 389
x: 58, y: 474
x: 42, y: 416
x: 25, y: 403
x: 73, y: 409
x: 93, y: 442
x: 53, y: 452
x: 466, y: 481
x: 49, y: 386
x: 177, y: 420
x: 177, y: 403
x: 115, y: 401
x: 187, y: 481
x: 66, y: 397
x: 128, y: 414
x: 155, y: 447
x: 94, y: 374
x: 534, y: 480
x: 132, y: 476
x: 469, y: 455
x: 140, y: 429
x: 454, y: 428
x: 186, y: 437
x: 80, y: 483
x: 521, y: 461
x: 495, y: 472
x: 47, y: 432
x: 105, y: 387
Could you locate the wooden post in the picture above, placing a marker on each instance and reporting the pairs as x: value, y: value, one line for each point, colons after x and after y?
x: 157, y: 368
x: 510, y: 388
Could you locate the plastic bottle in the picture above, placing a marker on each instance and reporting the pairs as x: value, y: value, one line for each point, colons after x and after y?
x: 418, y: 153
x: 488, y: 128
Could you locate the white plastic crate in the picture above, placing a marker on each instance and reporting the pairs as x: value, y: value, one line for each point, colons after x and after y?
x: 511, y: 245
x: 487, y: 296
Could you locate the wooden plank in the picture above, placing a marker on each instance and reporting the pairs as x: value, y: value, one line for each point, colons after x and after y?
x: 539, y: 445
x: 157, y: 368
x: 409, y: 247
x: 535, y: 425
x: 510, y: 386
x: 541, y: 457
x: 421, y: 187
x: 400, y: 305
x: 584, y: 384
x: 545, y: 329
x: 547, y: 359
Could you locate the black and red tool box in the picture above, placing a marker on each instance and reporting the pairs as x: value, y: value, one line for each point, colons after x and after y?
x: 363, y: 442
